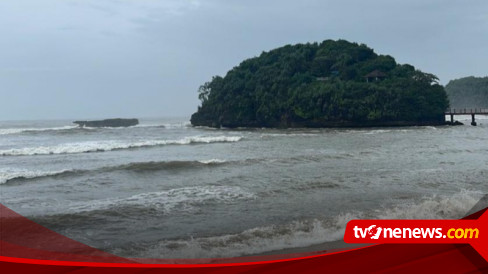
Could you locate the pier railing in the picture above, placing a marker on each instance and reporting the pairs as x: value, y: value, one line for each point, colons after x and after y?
x: 466, y: 111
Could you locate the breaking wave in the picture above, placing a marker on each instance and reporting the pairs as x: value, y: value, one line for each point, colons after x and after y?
x: 271, y: 135
x: 100, y: 146
x: 163, y: 165
x: 75, y: 128
x: 301, y: 233
x: 176, y: 125
x: 163, y: 125
x: 6, y: 131
x: 8, y: 174
x: 178, y: 199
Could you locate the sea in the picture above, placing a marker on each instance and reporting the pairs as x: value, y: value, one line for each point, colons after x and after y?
x: 165, y: 189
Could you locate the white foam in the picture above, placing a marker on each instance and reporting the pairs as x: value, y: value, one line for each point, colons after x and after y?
x: 7, y: 174
x: 167, y: 125
x: 5, y: 131
x: 265, y: 135
x: 212, y: 161
x: 177, y: 125
x: 435, y: 207
x: 380, y: 131
x: 97, y: 146
x: 185, y: 198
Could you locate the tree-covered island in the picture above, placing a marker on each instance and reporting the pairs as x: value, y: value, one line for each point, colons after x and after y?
x: 328, y: 84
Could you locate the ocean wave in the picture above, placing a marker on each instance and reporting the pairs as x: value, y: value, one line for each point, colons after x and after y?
x: 314, y: 185
x: 184, y: 199
x: 318, y: 157
x: 162, y: 125
x: 163, y: 165
x: 249, y: 242
x: 270, y: 135
x: 302, y: 233
x: 380, y: 131
x: 9, y: 174
x: 171, y: 126
x: 100, y: 146
x: 299, y: 233
x: 434, y: 207
x: 177, y: 125
x: 213, y: 161
x: 6, y: 131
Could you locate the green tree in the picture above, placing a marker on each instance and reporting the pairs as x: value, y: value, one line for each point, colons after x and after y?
x: 320, y: 85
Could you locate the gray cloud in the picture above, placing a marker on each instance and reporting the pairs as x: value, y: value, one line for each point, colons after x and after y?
x: 108, y: 58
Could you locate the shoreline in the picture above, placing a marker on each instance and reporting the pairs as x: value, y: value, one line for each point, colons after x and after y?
x: 331, y: 125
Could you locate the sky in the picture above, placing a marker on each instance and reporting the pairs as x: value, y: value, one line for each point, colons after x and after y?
x: 88, y: 59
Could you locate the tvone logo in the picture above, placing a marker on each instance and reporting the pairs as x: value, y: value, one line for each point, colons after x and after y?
x: 374, y: 232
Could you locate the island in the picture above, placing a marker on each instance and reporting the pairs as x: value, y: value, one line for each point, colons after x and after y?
x: 468, y: 93
x: 118, y: 122
x: 334, y: 83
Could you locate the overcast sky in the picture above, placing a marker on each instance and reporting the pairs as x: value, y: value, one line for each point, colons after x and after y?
x: 146, y: 58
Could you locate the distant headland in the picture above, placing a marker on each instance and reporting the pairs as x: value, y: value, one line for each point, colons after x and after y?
x: 327, y: 84
x: 118, y: 122
x: 468, y: 92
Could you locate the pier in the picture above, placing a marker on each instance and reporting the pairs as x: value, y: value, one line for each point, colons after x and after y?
x: 467, y: 111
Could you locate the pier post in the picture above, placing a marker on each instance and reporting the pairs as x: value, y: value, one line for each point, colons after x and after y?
x: 473, y: 122
x: 452, y: 118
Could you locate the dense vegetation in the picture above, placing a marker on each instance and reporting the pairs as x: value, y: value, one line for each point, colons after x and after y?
x: 469, y: 92
x: 321, y: 85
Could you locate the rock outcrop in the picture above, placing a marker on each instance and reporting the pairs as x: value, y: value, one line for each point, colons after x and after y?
x: 108, y: 123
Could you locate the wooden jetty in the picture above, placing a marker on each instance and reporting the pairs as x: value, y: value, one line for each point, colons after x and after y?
x: 467, y: 111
